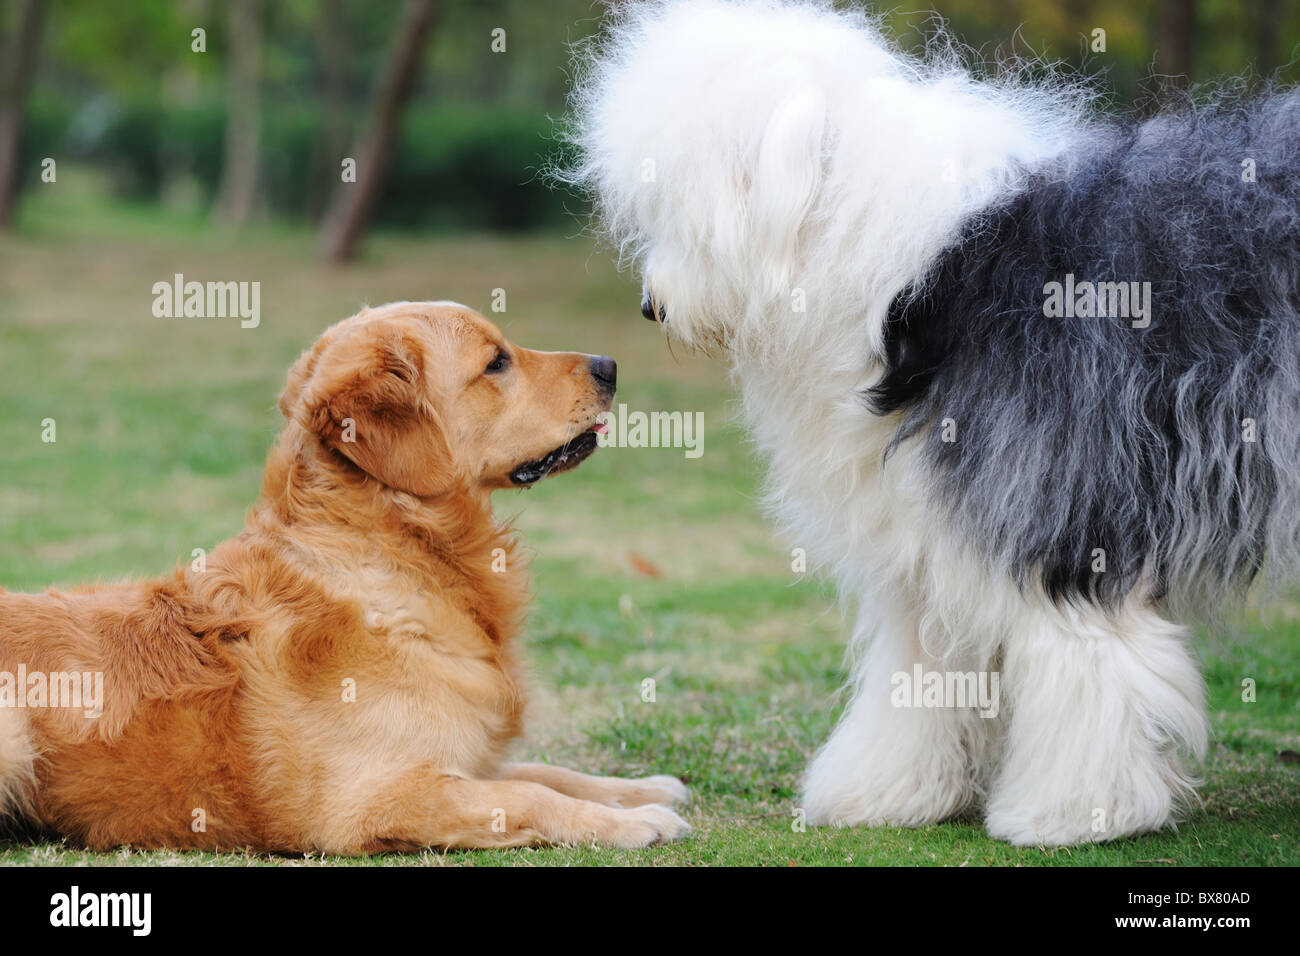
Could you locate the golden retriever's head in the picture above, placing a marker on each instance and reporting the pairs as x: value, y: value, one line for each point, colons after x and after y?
x: 424, y: 395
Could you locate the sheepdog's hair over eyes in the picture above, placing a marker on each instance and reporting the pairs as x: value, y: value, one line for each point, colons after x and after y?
x: 872, y: 240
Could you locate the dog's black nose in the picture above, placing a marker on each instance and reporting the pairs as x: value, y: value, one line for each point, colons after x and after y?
x: 605, y: 371
x: 648, y: 308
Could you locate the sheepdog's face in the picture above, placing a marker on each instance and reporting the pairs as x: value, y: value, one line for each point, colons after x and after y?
x: 763, y: 166
x: 703, y: 138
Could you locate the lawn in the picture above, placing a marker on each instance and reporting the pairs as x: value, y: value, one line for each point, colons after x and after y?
x: 648, y: 564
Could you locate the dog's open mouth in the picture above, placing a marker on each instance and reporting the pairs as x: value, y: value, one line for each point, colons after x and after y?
x: 568, y: 456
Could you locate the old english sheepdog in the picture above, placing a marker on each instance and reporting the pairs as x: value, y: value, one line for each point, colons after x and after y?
x: 1025, y: 378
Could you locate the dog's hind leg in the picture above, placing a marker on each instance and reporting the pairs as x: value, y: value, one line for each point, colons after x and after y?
x: 892, y: 759
x: 17, y: 763
x: 1102, y: 707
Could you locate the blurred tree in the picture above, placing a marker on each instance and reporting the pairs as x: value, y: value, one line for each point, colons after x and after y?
x: 1176, y: 55
x: 243, y: 112
x: 16, y: 70
x: 1268, y: 24
x: 333, y: 52
x: 350, y: 210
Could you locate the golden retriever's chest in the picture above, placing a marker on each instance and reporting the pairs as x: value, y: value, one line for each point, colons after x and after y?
x: 429, y: 623
x: 403, y: 613
x: 400, y: 677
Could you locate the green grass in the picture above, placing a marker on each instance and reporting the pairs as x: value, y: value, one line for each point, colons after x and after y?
x: 163, y: 425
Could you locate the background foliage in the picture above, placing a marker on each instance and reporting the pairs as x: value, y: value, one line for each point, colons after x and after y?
x: 118, y: 85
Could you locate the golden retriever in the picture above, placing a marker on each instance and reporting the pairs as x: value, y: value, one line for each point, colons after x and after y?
x: 341, y: 676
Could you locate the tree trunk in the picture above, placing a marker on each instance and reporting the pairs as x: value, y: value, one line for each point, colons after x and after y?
x: 1268, y: 31
x: 16, y: 71
x: 353, y: 203
x: 333, y: 50
x: 238, y: 189
x: 1177, y: 53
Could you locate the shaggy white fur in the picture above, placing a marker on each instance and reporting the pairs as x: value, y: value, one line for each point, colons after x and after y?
x: 779, y: 173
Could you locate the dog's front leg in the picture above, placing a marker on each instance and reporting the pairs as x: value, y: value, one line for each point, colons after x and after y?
x: 892, y: 759
x: 611, y: 791
x: 1104, y: 705
x: 431, y: 808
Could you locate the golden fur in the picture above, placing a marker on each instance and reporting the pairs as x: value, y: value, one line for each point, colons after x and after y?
x: 365, y: 571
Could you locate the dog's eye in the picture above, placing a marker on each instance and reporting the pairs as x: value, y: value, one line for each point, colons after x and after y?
x: 498, y: 364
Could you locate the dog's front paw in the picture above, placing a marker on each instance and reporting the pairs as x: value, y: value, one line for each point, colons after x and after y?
x: 645, y: 826
x: 1022, y: 829
x: 658, y: 789
x: 1072, y: 824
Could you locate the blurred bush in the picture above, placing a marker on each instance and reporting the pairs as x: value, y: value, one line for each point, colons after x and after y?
x: 472, y: 168
x: 453, y: 168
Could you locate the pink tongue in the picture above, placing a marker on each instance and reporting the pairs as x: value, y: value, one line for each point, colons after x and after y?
x: 600, y: 428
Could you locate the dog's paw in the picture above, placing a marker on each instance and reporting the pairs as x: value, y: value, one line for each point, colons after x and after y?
x: 1055, y: 827
x: 1021, y: 830
x: 659, y: 789
x: 646, y: 826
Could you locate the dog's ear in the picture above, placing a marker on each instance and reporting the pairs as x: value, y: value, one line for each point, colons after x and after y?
x: 787, y: 175
x: 364, y: 397
x: 299, y: 374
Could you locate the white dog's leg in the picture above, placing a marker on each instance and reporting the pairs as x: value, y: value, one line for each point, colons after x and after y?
x: 887, y: 764
x: 1101, y: 708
